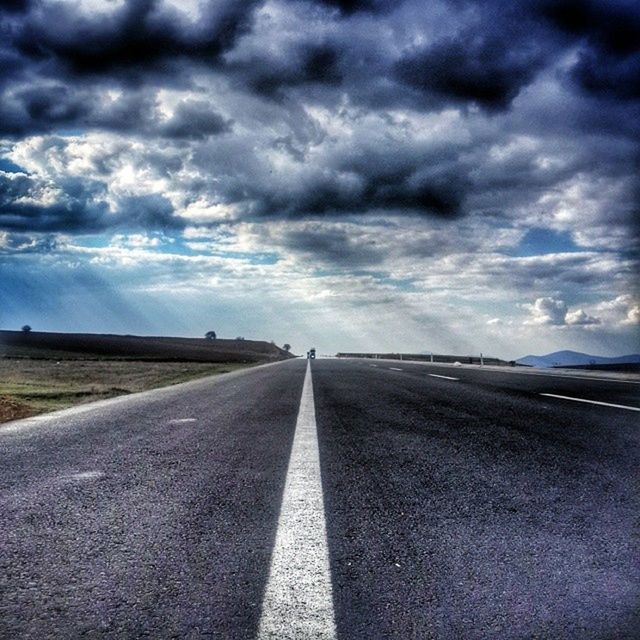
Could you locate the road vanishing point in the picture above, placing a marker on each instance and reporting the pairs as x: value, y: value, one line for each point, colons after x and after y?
x: 335, y: 499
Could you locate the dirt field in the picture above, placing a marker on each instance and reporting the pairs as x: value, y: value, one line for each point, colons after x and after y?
x: 29, y: 387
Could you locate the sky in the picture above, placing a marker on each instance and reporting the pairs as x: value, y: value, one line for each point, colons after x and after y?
x: 453, y: 176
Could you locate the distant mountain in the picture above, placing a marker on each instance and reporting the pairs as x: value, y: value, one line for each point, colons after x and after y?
x: 575, y: 359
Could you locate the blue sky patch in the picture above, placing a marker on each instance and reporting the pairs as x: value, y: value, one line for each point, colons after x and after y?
x: 539, y: 241
x: 10, y: 167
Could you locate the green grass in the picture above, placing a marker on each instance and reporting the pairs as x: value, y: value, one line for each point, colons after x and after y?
x: 29, y: 387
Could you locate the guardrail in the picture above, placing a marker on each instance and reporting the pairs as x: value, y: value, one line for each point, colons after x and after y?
x: 436, y: 357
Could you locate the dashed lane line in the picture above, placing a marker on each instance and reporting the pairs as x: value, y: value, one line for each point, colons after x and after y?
x: 298, y: 600
x: 395, y: 369
x: 525, y: 372
x: 603, y: 404
x: 435, y: 375
x: 587, y: 378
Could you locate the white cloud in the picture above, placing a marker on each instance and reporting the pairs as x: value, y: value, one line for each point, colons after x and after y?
x: 547, y: 311
x: 135, y: 240
x: 611, y: 315
x: 579, y: 317
x: 623, y: 310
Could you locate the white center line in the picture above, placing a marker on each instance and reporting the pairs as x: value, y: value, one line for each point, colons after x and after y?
x: 395, y: 369
x: 604, y: 404
x: 435, y: 375
x: 298, y: 601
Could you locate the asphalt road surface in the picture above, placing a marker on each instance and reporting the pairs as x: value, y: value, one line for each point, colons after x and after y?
x: 349, y: 499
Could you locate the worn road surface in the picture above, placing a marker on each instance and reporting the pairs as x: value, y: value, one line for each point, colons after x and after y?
x: 344, y: 499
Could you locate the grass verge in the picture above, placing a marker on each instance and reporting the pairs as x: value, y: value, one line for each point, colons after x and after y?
x: 30, y: 387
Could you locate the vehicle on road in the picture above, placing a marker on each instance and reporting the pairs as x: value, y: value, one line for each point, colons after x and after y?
x: 311, y: 354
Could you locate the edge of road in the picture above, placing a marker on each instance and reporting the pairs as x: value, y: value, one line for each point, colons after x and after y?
x: 630, y: 378
x: 72, y: 412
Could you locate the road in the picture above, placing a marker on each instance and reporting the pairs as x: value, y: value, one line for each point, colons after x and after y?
x: 356, y: 499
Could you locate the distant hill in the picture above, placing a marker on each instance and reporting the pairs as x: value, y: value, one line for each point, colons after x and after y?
x: 61, y: 346
x: 577, y: 359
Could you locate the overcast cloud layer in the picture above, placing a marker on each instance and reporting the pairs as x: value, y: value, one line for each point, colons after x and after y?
x: 448, y: 176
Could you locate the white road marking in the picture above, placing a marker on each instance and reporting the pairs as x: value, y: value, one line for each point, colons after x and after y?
x: 298, y: 600
x: 526, y: 371
x: 435, y: 375
x: 395, y: 369
x: 373, y: 365
x: 604, y: 404
x: 85, y: 475
x: 182, y: 420
x: 569, y: 377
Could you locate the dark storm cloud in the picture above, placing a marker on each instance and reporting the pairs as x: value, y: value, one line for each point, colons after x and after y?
x: 349, y: 7
x: 35, y: 110
x: 609, y: 32
x: 495, y: 50
x: 306, y: 64
x: 139, y: 35
x: 247, y: 77
x: 147, y: 212
x: 488, y: 59
x: 472, y: 69
x: 12, y: 64
x: 15, y: 6
x: 53, y: 107
x: 76, y: 211
x: 394, y: 179
x: 327, y: 195
x: 195, y: 120
x: 131, y: 111
x: 331, y: 246
x: 79, y: 208
x: 436, y: 190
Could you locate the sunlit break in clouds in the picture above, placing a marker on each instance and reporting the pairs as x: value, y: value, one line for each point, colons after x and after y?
x: 454, y: 176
